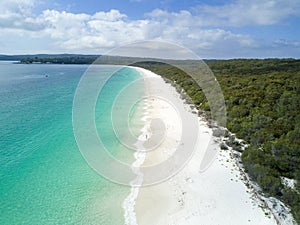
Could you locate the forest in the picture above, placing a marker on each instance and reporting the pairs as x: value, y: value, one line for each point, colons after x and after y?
x: 263, y: 108
x: 59, y: 59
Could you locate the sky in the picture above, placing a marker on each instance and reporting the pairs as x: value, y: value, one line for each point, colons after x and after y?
x: 210, y: 28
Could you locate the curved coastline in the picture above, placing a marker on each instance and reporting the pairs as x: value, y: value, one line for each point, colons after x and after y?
x: 219, y: 195
x: 130, y: 201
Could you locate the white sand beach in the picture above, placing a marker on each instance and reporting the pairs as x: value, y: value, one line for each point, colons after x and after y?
x: 215, y: 196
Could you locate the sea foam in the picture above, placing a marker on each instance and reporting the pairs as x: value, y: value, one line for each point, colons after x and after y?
x: 140, y: 154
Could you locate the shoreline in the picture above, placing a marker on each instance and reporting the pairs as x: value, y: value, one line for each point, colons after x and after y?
x: 194, y: 197
x: 277, y: 208
x: 130, y: 201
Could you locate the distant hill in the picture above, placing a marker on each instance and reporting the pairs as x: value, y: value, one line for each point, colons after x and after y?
x: 40, y: 56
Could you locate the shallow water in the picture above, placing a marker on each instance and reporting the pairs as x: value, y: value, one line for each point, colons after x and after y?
x: 43, y: 176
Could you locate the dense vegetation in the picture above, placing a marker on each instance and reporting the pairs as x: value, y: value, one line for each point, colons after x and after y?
x: 72, y: 59
x: 78, y: 59
x: 263, y: 108
x: 37, y: 57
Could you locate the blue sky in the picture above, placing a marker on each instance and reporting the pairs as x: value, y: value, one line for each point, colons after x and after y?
x: 135, y: 9
x: 212, y: 29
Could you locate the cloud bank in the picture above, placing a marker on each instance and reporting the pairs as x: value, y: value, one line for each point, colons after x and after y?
x: 204, y: 29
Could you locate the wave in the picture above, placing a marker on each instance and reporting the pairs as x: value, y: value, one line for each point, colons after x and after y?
x: 140, y: 155
x: 35, y: 76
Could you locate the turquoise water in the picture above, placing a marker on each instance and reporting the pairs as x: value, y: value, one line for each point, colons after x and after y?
x: 43, y: 177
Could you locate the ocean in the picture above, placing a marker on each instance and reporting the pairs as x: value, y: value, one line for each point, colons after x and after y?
x: 44, y: 179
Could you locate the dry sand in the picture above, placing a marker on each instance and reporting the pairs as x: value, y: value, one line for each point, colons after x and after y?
x: 215, y: 196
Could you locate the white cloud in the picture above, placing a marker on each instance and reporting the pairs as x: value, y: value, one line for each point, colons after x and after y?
x: 289, y: 43
x: 87, y: 43
x: 112, y: 15
x: 17, y: 14
x: 64, y: 25
x: 189, y: 30
x: 17, y: 6
x: 245, y: 12
x: 182, y: 18
x: 201, y: 30
x: 83, y: 31
x: 104, y: 30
